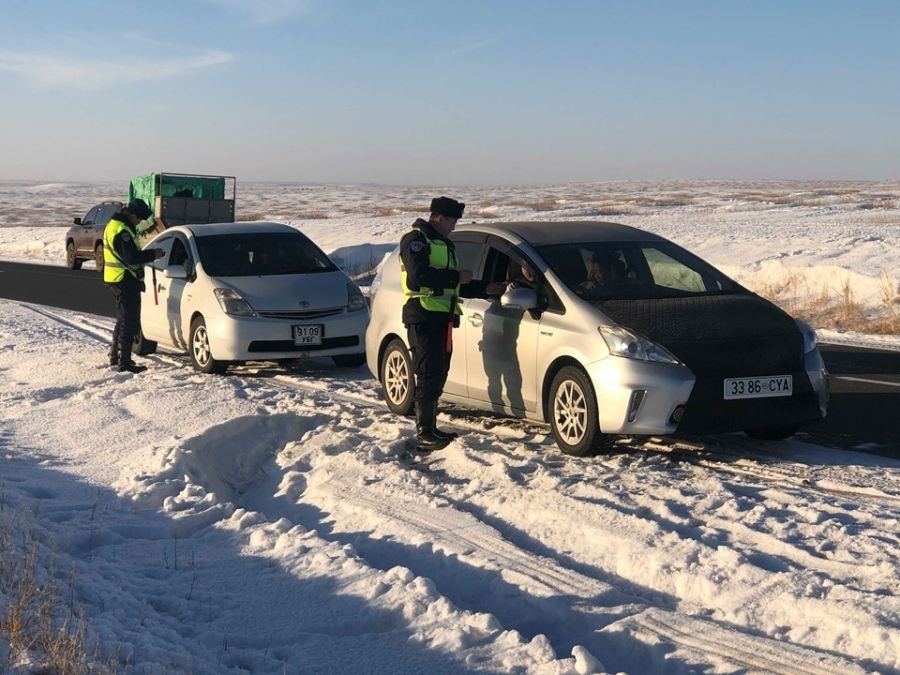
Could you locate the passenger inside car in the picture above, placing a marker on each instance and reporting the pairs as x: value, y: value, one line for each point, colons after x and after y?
x: 605, y: 270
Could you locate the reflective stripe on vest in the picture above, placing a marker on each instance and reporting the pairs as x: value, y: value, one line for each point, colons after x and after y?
x: 114, y: 268
x: 438, y: 256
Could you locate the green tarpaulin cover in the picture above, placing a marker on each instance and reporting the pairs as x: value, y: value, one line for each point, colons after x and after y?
x: 153, y: 185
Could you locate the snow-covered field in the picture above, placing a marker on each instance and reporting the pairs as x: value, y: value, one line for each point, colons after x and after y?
x: 267, y: 522
x: 791, y: 241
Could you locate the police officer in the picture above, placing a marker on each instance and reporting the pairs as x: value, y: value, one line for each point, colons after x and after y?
x: 123, y: 270
x: 431, y: 280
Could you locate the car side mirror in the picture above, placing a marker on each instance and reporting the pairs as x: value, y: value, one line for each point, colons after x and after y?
x: 176, y: 272
x: 519, y: 298
x: 77, y: 221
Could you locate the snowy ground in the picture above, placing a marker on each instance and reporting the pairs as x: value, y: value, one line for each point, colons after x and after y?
x: 267, y: 522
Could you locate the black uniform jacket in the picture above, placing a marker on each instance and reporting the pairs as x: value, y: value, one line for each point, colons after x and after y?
x: 128, y: 252
x: 419, y: 273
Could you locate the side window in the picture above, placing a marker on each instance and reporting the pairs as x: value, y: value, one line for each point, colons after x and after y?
x: 468, y: 254
x: 496, y: 266
x: 181, y: 256
x: 104, y: 213
x: 165, y: 243
x: 91, y: 216
x: 670, y: 273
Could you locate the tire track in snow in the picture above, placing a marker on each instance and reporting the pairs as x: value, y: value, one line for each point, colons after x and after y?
x: 712, y: 453
x: 342, y: 489
x: 540, y: 578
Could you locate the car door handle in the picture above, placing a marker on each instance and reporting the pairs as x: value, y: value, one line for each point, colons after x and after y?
x: 160, y: 287
x: 476, y: 319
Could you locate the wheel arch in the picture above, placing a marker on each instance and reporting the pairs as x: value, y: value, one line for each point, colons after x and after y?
x: 382, y: 348
x: 555, y: 366
x: 196, y: 314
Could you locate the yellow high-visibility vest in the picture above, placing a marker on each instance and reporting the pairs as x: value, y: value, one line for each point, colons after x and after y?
x: 114, y: 269
x: 438, y: 256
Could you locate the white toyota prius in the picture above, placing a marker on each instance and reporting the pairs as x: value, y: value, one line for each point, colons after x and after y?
x: 235, y: 292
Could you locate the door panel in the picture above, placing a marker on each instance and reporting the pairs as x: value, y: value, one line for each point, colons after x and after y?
x: 154, y: 322
x: 177, y: 293
x: 456, y: 376
x: 469, y: 252
x: 501, y: 356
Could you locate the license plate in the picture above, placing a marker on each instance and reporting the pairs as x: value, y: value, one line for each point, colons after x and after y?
x: 759, y: 387
x: 308, y: 335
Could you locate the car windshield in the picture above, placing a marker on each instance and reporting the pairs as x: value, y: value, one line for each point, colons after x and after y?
x: 261, y: 254
x: 605, y: 270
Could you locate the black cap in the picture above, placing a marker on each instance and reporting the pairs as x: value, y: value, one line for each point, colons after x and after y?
x: 444, y: 206
x: 139, y: 208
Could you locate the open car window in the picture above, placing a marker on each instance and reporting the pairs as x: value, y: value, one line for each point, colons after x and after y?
x: 261, y: 254
x: 605, y: 270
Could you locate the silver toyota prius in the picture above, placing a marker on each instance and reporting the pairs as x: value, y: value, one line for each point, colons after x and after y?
x: 607, y: 330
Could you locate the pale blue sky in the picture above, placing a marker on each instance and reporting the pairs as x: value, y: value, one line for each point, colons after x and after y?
x: 450, y: 92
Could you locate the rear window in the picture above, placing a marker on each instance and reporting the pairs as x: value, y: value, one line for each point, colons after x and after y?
x: 261, y: 254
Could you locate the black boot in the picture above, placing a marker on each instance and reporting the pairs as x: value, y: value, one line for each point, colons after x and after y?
x: 426, y: 439
x: 446, y: 435
x: 126, y: 365
x: 114, y: 355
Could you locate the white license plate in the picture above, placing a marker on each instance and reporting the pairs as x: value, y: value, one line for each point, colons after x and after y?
x: 759, y: 387
x: 308, y: 335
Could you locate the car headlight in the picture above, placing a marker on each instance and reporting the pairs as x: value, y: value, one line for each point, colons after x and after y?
x: 232, y: 303
x: 809, y: 336
x: 355, y: 299
x: 624, y: 343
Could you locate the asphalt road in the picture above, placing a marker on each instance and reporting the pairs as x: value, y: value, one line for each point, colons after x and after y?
x: 865, y: 388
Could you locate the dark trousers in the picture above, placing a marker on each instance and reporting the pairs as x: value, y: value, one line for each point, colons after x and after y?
x: 128, y: 317
x: 431, y: 359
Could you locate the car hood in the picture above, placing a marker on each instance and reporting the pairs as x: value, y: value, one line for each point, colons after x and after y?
x: 291, y: 292
x: 739, y: 333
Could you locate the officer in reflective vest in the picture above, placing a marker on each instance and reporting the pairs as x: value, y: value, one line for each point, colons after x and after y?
x: 123, y: 270
x: 431, y: 286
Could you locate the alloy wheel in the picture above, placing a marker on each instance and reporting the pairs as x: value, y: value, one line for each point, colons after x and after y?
x: 570, y: 411
x: 396, y: 377
x: 200, y: 346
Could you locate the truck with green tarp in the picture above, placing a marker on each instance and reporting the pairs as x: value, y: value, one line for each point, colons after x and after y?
x: 183, y: 198
x: 173, y: 198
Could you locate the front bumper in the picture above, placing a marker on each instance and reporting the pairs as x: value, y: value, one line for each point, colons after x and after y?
x: 624, y: 410
x: 254, y: 338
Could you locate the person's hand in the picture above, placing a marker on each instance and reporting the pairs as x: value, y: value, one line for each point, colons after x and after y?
x: 495, y: 288
x: 159, y: 253
x: 465, y: 276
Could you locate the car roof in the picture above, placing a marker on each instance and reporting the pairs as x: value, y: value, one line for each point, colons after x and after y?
x: 540, y: 233
x: 212, y: 229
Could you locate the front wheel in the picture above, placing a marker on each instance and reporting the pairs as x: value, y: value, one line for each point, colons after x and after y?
x: 397, y: 378
x: 98, y: 256
x: 774, y: 433
x: 72, y: 260
x: 200, y: 352
x: 573, y: 414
